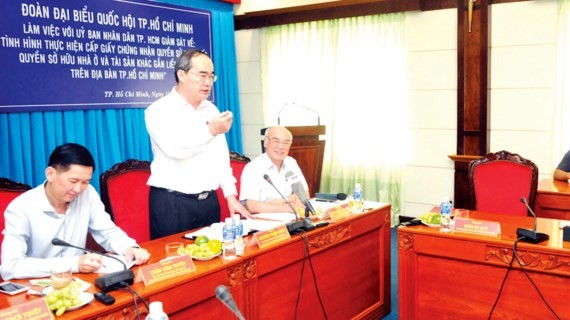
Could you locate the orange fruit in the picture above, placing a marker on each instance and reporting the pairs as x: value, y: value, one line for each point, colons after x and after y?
x: 215, y: 245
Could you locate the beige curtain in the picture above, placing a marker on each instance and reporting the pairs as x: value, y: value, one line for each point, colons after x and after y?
x: 352, y: 73
x: 562, y: 110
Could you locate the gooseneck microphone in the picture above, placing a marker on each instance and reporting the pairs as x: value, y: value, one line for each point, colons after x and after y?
x: 108, y: 282
x: 266, y: 177
x: 224, y: 295
x: 297, y: 225
x: 300, y: 192
x: 531, y: 235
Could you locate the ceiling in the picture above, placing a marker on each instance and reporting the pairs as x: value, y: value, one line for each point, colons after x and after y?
x: 262, y: 13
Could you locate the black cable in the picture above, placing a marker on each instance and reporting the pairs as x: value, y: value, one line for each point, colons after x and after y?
x: 315, y: 277
x: 516, y: 255
x: 532, y: 282
x: 133, y: 292
x: 301, y: 279
x: 504, y: 279
x: 307, y: 254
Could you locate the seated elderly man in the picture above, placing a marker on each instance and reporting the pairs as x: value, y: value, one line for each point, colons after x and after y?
x: 65, y: 206
x: 562, y: 172
x: 255, y: 192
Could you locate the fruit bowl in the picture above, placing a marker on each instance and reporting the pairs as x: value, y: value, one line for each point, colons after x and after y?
x: 206, y: 258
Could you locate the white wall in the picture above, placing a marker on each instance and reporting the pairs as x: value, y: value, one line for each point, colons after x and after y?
x: 522, y: 82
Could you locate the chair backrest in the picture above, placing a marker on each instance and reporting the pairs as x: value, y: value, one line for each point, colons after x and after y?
x: 498, y: 181
x: 237, y: 162
x: 8, y: 191
x: 125, y: 194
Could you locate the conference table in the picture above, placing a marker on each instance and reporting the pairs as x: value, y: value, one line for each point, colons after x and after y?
x: 350, y: 259
x: 458, y: 275
x: 553, y: 199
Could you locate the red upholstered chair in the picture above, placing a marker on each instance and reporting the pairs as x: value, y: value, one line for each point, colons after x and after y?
x: 8, y: 191
x: 237, y: 162
x: 498, y: 181
x: 125, y: 194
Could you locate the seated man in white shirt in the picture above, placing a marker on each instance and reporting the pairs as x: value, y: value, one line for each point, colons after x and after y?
x: 65, y: 206
x: 255, y: 192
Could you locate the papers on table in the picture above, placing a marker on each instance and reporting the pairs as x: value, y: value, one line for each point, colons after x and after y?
x: 111, y: 265
x: 212, y: 232
x: 262, y: 225
x: 268, y: 221
x: 276, y: 216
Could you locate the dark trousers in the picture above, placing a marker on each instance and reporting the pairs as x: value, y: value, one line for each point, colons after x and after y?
x: 174, y: 212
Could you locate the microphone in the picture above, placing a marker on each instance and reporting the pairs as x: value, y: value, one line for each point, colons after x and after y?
x: 531, y: 235
x: 224, y: 295
x: 297, y: 225
x: 301, y: 106
x: 111, y: 281
x: 330, y: 196
x: 300, y: 192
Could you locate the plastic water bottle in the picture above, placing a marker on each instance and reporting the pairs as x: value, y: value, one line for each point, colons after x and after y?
x: 357, y: 197
x: 238, y: 225
x: 229, y: 235
x: 155, y: 311
x: 445, y: 210
x: 229, y: 232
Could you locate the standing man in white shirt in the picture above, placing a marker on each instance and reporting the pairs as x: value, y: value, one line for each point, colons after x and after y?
x: 191, y: 156
x: 256, y: 193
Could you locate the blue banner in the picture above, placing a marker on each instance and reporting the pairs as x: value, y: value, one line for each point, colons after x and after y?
x: 82, y: 54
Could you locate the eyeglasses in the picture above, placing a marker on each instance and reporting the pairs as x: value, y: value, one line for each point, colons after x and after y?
x: 285, y: 143
x: 203, y: 76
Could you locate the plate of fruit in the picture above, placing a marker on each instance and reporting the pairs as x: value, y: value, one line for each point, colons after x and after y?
x: 202, y: 249
x: 67, y: 299
x: 431, y: 219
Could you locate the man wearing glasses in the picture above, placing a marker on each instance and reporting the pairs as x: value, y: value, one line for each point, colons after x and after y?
x: 191, y: 156
x: 256, y: 193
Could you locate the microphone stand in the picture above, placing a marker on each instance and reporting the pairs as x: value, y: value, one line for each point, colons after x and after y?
x: 302, y: 106
x: 108, y: 282
x: 531, y: 235
x: 297, y: 225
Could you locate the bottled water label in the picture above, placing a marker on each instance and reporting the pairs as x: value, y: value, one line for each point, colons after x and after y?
x: 445, y: 211
x: 357, y: 201
x: 229, y: 231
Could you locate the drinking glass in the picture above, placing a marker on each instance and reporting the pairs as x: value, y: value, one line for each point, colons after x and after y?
x: 172, y: 249
x: 461, y: 213
x: 61, y: 277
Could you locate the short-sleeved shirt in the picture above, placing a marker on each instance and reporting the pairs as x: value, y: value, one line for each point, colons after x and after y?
x: 255, y: 187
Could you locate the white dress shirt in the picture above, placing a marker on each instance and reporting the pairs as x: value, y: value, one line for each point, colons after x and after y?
x: 254, y: 187
x: 32, y: 223
x: 187, y: 158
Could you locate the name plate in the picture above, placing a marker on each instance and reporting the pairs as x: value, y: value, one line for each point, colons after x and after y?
x: 36, y: 309
x: 167, y: 269
x: 489, y: 228
x: 339, y: 212
x: 272, y: 236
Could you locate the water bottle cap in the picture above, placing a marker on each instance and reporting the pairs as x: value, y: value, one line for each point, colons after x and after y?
x: 155, y: 307
x: 236, y: 218
x: 229, y: 221
x: 446, y: 199
x: 357, y: 185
